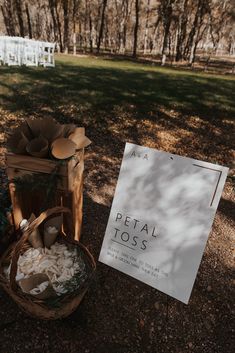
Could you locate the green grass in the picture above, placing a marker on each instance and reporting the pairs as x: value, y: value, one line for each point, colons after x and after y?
x: 96, y: 85
x: 180, y: 111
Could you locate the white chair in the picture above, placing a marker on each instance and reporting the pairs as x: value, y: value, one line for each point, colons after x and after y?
x: 22, y: 51
x: 12, y: 53
x: 46, y: 54
x: 30, y: 53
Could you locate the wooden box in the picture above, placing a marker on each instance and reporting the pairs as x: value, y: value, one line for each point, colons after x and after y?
x: 63, y: 178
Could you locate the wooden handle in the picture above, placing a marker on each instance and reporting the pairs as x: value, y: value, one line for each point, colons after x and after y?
x: 35, y: 224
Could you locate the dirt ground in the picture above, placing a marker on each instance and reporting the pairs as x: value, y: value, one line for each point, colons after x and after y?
x: 120, y: 314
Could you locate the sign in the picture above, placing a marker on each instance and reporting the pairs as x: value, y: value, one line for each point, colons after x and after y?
x: 161, y: 216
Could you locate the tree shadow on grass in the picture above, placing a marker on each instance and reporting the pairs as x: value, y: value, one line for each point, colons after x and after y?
x: 135, y: 100
x: 95, y: 87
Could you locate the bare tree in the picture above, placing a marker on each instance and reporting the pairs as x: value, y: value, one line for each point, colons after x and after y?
x: 104, y: 4
x: 18, y: 5
x: 146, y: 31
x: 166, y: 10
x: 7, y: 12
x: 136, y: 28
x: 28, y: 21
x: 65, y: 4
x: 182, y: 29
x: 53, y: 16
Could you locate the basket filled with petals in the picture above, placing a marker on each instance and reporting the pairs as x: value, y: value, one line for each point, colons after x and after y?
x: 47, y: 272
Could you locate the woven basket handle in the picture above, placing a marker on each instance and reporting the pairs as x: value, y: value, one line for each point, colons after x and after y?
x: 34, y: 225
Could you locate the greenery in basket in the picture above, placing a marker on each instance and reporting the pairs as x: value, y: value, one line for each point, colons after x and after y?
x: 74, y: 285
x: 77, y: 280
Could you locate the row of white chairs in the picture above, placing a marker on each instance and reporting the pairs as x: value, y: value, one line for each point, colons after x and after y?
x: 19, y: 51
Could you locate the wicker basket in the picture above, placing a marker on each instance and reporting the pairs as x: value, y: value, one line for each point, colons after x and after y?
x: 30, y: 304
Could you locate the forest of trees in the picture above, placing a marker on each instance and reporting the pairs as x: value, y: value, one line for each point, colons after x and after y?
x: 173, y: 29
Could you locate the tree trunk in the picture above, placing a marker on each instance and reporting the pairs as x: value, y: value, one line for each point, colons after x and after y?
x: 8, y: 18
x: 90, y: 25
x: 166, y: 11
x: 121, y: 19
x: 90, y: 33
x: 20, y: 17
x: 165, y: 44
x: 155, y: 35
x: 127, y: 13
x: 59, y: 27
x: 66, y: 25
x: 80, y: 35
x: 122, y: 34
x: 182, y: 29
x: 106, y: 35
x: 74, y: 43
x: 101, y: 25
x: 137, y: 9
x: 53, y: 16
x: 195, y: 43
x: 201, y: 11
x: 193, y: 33
x: 75, y: 10
x: 29, y: 21
x: 146, y: 28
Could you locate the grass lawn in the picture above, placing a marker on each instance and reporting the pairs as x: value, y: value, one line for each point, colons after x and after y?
x: 179, y: 111
x: 95, y: 83
x: 161, y: 107
x: 182, y: 112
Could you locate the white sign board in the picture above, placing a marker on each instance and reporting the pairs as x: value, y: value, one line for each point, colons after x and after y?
x: 161, y: 216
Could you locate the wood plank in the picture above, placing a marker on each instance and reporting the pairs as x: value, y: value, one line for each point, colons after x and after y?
x: 78, y: 196
x: 74, y: 167
x: 17, y: 212
x: 34, y: 164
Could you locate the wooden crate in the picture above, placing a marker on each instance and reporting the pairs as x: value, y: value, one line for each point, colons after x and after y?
x: 69, y: 188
